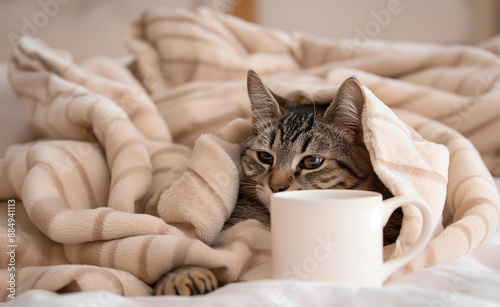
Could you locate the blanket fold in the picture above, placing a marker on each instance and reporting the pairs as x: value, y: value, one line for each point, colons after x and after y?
x: 138, y: 168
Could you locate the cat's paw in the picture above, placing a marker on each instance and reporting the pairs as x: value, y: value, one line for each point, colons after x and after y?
x: 187, y: 280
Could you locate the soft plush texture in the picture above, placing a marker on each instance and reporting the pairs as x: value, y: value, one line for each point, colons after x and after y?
x: 138, y: 169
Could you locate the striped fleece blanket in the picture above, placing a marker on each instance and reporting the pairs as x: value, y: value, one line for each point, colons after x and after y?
x: 136, y: 167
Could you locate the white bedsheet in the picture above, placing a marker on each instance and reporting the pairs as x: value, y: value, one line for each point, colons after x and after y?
x: 472, y: 280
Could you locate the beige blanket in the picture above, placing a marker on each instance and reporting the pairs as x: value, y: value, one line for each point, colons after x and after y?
x: 134, y: 178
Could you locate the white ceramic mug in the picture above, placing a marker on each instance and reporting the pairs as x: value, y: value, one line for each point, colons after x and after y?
x: 337, y: 235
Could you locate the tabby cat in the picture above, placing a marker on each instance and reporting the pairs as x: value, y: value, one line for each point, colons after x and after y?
x: 293, y: 147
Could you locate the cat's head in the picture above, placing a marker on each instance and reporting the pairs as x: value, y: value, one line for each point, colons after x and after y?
x: 296, y: 147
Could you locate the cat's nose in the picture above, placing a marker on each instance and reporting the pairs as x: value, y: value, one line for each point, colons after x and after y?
x: 278, y: 187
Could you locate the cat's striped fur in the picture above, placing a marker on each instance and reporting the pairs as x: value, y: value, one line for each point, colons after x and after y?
x: 290, y: 132
x: 293, y: 147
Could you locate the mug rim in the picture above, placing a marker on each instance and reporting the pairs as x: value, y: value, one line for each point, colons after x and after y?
x: 328, y: 195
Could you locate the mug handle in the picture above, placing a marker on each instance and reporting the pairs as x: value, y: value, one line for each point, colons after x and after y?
x: 388, y: 207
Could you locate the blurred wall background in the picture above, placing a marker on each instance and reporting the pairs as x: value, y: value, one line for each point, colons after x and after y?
x: 440, y: 21
x: 95, y: 27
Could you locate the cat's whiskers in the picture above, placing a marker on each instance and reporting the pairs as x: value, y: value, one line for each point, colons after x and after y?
x: 261, y: 121
x: 249, y: 187
x: 314, y: 111
x: 261, y: 130
x: 311, y: 98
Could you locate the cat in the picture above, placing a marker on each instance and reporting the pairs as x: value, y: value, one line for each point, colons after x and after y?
x: 293, y: 147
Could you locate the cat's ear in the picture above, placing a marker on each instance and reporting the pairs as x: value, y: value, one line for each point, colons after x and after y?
x: 264, y: 103
x: 345, y: 110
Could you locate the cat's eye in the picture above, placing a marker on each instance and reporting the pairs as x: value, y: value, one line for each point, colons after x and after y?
x: 311, y: 162
x: 265, y: 157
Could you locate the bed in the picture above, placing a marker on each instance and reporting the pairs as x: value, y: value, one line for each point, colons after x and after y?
x: 157, y: 133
